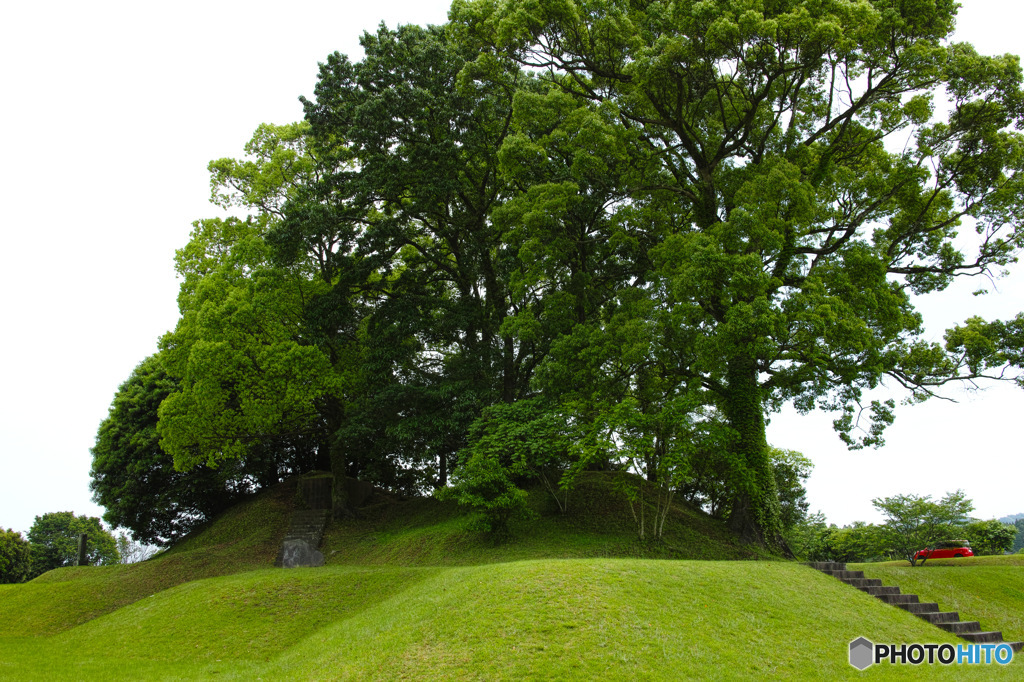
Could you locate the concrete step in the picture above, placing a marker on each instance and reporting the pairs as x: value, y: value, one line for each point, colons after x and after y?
x: 899, y: 598
x: 947, y: 620
x: 936, y: 617
x: 879, y: 590
x: 982, y: 637
x: 916, y: 608
x: 961, y: 628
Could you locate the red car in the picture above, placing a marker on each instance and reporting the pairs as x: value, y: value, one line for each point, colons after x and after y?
x: 945, y: 550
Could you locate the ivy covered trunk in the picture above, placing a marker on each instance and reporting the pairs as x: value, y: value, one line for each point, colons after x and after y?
x: 755, y: 513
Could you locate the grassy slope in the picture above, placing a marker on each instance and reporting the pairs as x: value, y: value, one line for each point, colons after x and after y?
x: 246, y: 537
x: 428, y: 601
x: 598, y: 524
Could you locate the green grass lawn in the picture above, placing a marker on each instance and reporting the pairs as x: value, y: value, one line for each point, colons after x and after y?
x: 410, y: 594
x: 541, y: 619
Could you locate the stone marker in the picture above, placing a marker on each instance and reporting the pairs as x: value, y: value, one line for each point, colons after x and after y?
x: 298, y: 553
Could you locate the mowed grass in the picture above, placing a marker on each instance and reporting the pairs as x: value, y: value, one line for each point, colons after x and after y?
x: 988, y: 589
x: 244, y: 538
x: 410, y: 593
x: 542, y: 619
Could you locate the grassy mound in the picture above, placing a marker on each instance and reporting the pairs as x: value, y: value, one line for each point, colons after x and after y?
x: 410, y: 593
x: 550, y: 619
x: 244, y: 538
x: 597, y: 523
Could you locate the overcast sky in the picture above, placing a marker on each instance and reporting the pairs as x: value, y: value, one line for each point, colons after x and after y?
x: 112, y: 111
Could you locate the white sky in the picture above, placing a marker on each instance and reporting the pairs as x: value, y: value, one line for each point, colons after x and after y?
x: 112, y: 111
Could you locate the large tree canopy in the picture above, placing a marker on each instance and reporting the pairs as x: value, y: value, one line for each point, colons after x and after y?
x: 638, y: 227
x: 815, y: 164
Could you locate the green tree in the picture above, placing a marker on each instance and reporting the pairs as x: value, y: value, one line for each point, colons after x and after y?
x: 255, y: 386
x: 815, y: 540
x: 531, y: 441
x: 708, y: 484
x: 485, y: 486
x: 791, y: 470
x: 807, y: 539
x: 136, y: 481
x: 860, y: 542
x: 54, y: 537
x: 990, y: 537
x: 424, y: 271
x: 1018, y: 541
x: 132, y: 551
x: 913, y: 523
x: 813, y: 169
x: 15, y: 557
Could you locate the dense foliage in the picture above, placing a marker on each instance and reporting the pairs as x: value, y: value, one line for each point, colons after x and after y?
x: 789, y: 235
x: 593, y: 234
x: 912, y: 523
x: 15, y: 557
x: 138, y: 484
x: 990, y: 537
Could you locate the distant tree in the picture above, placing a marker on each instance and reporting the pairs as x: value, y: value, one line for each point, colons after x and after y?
x: 791, y: 470
x: 131, y: 551
x: 1018, y: 542
x: 804, y: 538
x: 15, y: 557
x: 54, y: 539
x: 860, y: 542
x: 813, y: 540
x: 914, y: 523
x: 990, y: 537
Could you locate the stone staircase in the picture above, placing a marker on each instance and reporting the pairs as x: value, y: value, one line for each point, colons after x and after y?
x: 301, y: 544
x: 929, y: 611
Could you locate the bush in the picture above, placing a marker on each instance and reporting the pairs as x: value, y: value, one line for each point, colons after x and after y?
x: 483, y: 485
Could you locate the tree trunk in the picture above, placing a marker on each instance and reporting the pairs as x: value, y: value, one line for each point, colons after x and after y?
x: 755, y: 511
x: 339, y: 465
x: 339, y: 487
